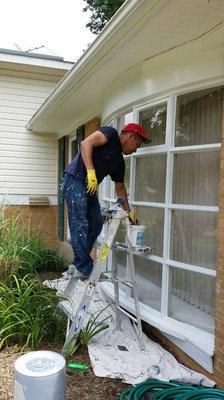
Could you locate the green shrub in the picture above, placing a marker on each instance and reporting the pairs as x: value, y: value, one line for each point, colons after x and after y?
x: 50, y: 260
x: 23, y: 250
x: 28, y: 313
x: 86, y: 334
x: 94, y: 326
x: 19, y: 245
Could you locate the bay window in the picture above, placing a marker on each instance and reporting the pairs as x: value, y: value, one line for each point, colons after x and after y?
x: 173, y: 183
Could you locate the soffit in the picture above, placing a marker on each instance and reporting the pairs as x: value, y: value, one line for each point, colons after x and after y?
x: 133, y: 36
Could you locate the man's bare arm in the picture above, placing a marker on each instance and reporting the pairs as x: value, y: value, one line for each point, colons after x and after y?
x: 121, y: 192
x: 96, y: 139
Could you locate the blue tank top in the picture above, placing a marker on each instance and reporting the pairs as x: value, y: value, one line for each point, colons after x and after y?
x: 107, y: 159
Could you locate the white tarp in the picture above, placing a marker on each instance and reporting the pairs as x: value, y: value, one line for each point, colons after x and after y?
x: 117, y: 354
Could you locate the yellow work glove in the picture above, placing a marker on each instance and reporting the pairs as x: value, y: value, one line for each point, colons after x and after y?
x: 91, y: 181
x: 132, y: 215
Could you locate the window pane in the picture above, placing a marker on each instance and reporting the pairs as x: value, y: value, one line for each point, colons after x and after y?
x: 153, y: 219
x: 121, y: 234
x: 153, y: 120
x: 127, y: 174
x: 148, y: 277
x: 199, y: 117
x: 124, y: 120
x: 120, y: 257
x: 150, y: 178
x: 193, y: 298
x: 196, y: 178
x: 194, y: 238
x: 148, y: 281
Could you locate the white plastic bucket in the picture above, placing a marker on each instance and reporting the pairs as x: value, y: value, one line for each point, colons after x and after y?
x: 137, y: 234
x: 40, y: 375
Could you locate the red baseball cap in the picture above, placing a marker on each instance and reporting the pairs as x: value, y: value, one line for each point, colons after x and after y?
x: 137, y: 129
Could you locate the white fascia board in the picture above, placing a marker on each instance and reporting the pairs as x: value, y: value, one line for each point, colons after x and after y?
x: 132, y: 13
x: 36, y: 62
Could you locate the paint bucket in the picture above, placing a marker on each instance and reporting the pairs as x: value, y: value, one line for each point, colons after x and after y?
x: 40, y: 375
x: 137, y: 234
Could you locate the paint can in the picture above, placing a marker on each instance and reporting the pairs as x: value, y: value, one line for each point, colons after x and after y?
x: 40, y: 375
x: 137, y: 234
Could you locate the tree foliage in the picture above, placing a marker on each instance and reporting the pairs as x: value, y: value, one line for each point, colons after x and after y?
x: 102, y: 11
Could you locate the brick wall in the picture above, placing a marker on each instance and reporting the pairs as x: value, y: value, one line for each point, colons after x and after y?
x: 92, y: 126
x: 219, y: 318
x: 42, y: 219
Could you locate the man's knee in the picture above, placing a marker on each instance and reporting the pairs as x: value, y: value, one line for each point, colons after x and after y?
x: 79, y: 232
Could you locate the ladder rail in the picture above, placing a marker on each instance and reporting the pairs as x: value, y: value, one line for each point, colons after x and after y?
x: 129, y: 315
x: 135, y: 294
x: 78, y: 317
x: 90, y: 286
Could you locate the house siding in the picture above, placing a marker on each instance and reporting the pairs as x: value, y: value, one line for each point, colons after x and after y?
x: 28, y: 162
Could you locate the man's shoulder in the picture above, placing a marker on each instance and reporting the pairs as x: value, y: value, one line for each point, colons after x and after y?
x: 109, y: 131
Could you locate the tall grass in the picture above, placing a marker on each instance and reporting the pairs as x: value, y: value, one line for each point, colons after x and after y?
x: 19, y: 245
x: 28, y: 312
x: 23, y: 250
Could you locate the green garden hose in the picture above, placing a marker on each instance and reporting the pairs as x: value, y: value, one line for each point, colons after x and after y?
x: 202, y: 394
x: 170, y: 394
x: 170, y: 391
x: 138, y: 391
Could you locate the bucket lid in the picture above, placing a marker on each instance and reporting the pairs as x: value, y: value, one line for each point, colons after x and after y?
x: 39, y: 363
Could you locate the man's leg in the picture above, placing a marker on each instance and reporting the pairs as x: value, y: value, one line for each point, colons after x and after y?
x: 95, y: 220
x: 77, y: 204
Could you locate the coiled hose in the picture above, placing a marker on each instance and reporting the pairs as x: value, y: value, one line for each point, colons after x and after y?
x: 141, y: 389
x: 160, y: 390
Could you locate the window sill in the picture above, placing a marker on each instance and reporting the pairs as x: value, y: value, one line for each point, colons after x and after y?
x: 199, y: 345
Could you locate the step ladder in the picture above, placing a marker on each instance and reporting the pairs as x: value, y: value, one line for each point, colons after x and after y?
x: 78, y: 294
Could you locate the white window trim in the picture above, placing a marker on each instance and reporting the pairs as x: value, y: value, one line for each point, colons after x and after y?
x: 198, y: 344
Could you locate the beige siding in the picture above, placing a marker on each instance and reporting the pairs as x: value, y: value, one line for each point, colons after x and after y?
x: 28, y: 162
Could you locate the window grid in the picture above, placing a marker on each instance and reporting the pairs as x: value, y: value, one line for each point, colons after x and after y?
x: 169, y: 149
x: 169, y: 206
x: 166, y: 287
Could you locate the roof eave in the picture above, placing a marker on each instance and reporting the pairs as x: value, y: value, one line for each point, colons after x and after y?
x: 114, y: 32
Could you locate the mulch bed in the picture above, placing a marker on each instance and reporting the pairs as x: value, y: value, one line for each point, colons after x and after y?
x: 81, y: 385
x: 85, y: 385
